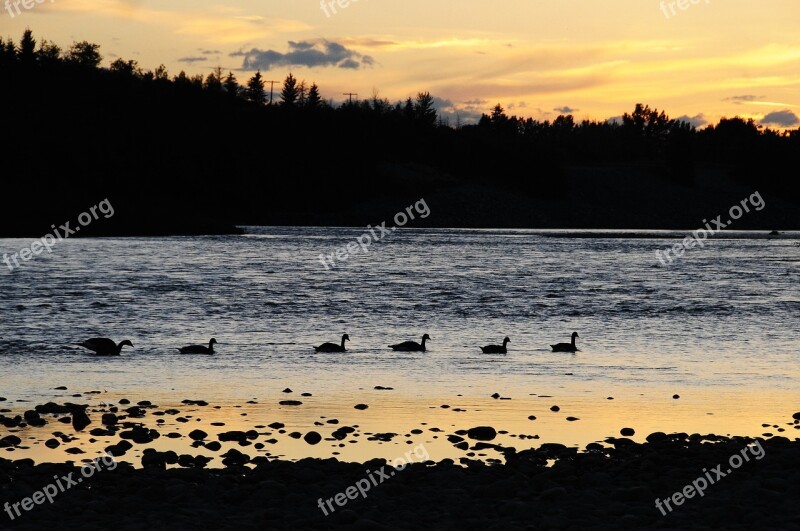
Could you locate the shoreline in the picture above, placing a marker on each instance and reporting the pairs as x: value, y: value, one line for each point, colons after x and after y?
x: 550, y: 487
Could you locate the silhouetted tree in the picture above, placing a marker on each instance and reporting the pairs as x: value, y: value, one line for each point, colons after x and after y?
x: 85, y: 54
x: 314, y: 100
x: 231, y: 86
x: 128, y: 68
x: 255, y: 89
x: 48, y: 54
x: 161, y: 73
x: 8, y: 52
x: 302, y: 94
x: 289, y: 93
x: 213, y: 82
x: 423, y: 109
x: 27, y: 47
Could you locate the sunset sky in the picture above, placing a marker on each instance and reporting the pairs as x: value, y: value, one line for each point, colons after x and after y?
x: 537, y: 58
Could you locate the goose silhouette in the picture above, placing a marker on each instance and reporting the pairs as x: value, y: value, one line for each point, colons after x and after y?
x: 497, y: 349
x: 411, y: 346
x: 103, y: 346
x: 333, y: 347
x: 199, y: 349
x: 566, y: 347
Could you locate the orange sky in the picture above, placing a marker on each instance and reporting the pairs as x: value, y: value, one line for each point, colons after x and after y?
x: 537, y: 58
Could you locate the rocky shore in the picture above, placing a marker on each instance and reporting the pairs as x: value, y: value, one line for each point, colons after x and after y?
x: 605, y: 486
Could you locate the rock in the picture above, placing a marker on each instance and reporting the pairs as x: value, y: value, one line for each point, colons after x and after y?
x: 277, y: 425
x: 52, y: 443
x: 287, y: 390
x: 657, y: 436
x: 80, y: 420
x: 33, y: 419
x: 197, y: 435
x: 290, y: 403
x: 74, y: 451
x: 238, y: 436
x: 109, y: 419
x: 676, y: 396
x: 213, y: 446
x: 482, y: 433
x: 496, y: 396
x: 796, y: 416
x: 295, y: 435
x: 555, y: 408
x: 234, y: 457
x: 10, y: 440
x: 361, y: 406
x: 312, y: 437
x: 627, y: 432
x: 532, y: 417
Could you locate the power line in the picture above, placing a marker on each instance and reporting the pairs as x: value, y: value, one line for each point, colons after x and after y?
x: 271, y: 85
x: 351, y: 94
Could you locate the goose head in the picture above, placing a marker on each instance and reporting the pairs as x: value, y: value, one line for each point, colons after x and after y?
x: 505, y: 341
x: 125, y: 343
x: 345, y: 338
x: 212, y: 342
x: 426, y: 337
x: 574, y: 335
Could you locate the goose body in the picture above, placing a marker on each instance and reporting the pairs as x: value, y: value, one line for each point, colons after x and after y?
x: 333, y: 347
x: 199, y: 349
x: 103, y: 346
x: 411, y: 346
x: 496, y: 349
x: 566, y: 347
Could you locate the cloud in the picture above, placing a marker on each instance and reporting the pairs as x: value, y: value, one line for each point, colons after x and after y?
x: 192, y: 60
x: 614, y: 120
x: 209, y: 52
x: 738, y: 100
x: 315, y: 53
x: 698, y: 120
x: 781, y: 118
x: 565, y: 110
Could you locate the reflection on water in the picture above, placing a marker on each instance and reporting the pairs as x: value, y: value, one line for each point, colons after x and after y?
x: 718, y: 328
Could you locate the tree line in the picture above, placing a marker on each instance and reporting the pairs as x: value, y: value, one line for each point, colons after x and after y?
x: 175, y: 142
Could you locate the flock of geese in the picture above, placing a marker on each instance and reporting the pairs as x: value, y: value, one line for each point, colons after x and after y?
x: 103, y: 346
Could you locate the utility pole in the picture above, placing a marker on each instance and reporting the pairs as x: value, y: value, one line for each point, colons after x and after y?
x: 271, y: 85
x: 351, y: 94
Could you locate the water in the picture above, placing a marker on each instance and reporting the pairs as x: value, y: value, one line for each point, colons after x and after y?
x: 719, y: 326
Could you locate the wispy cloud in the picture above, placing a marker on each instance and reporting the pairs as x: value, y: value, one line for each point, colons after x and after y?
x: 192, y: 60
x: 312, y: 53
x: 565, y: 110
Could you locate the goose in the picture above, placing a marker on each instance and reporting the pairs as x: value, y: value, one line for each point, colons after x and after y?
x: 411, y: 346
x: 567, y: 347
x: 496, y: 349
x: 333, y: 347
x: 199, y: 349
x: 103, y: 346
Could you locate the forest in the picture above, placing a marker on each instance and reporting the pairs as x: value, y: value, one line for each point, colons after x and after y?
x: 182, y: 154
